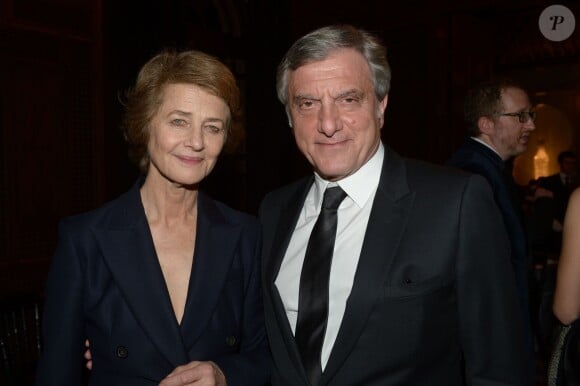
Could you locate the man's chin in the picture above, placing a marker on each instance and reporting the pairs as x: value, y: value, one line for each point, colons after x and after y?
x: 333, y: 174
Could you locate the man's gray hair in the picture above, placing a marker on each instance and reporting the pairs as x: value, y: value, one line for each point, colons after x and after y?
x: 318, y: 44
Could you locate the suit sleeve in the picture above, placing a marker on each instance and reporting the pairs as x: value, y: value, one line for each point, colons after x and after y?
x: 61, y: 360
x: 251, y: 365
x: 488, y: 310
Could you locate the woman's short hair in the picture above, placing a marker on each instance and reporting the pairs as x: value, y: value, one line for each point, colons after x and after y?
x: 170, y: 67
x: 318, y: 44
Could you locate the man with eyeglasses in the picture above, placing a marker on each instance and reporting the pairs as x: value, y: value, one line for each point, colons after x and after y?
x: 500, y: 120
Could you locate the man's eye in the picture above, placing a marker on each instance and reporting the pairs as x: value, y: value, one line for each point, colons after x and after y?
x: 350, y: 100
x: 306, y: 104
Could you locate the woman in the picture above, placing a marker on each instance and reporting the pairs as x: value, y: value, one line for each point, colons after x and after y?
x: 163, y: 280
x: 567, y: 296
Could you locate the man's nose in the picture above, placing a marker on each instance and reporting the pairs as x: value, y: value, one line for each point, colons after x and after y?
x: 530, y: 125
x: 329, y: 120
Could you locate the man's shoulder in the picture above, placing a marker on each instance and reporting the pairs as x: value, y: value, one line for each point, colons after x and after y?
x: 551, y: 177
x: 473, y: 157
x: 435, y: 184
x: 471, y: 152
x: 425, y: 173
x: 549, y: 181
x: 282, y: 195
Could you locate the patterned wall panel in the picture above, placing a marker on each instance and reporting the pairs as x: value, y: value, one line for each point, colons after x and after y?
x: 47, y: 148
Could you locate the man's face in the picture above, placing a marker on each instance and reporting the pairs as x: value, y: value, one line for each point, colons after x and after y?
x: 568, y: 165
x: 508, y: 135
x: 335, y: 114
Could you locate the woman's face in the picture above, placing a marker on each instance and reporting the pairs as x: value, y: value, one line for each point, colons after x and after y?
x: 187, y: 134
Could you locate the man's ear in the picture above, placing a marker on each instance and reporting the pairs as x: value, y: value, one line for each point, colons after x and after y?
x: 288, y: 116
x: 382, y: 108
x: 486, y: 125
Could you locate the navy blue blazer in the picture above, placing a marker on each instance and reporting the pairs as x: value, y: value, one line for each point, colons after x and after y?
x: 477, y: 158
x: 474, y: 157
x: 106, y: 284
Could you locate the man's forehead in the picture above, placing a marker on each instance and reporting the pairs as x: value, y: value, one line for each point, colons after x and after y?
x: 330, y: 77
x: 336, y: 89
x: 514, y: 96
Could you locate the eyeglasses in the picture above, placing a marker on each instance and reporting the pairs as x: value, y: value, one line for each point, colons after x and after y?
x: 523, y: 116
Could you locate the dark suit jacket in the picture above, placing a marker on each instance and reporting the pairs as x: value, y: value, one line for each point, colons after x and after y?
x: 433, y: 286
x: 105, y: 283
x: 474, y: 157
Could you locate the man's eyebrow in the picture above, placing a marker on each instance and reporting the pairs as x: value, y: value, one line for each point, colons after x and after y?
x: 300, y: 97
x: 352, y: 92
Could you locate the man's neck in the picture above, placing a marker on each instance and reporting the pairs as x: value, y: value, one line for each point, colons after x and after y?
x: 486, y: 143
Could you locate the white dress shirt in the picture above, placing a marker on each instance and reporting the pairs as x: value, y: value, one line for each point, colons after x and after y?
x: 353, y: 217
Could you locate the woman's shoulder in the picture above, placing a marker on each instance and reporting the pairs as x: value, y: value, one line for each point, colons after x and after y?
x: 573, y: 204
x: 124, y: 207
x: 217, y: 208
x: 575, y: 197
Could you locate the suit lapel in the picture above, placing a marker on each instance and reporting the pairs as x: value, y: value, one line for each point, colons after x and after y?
x: 386, y: 225
x: 128, y: 250
x: 214, y: 251
x: 284, y: 229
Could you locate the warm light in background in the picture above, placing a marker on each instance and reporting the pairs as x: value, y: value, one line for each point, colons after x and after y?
x: 541, y: 162
x: 554, y: 133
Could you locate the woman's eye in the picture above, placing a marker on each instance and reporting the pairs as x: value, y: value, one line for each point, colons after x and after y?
x: 213, y: 129
x: 178, y: 122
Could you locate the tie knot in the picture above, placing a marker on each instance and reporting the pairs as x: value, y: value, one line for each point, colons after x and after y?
x: 333, y: 197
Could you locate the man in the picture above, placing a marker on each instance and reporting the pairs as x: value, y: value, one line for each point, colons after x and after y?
x: 500, y: 120
x: 561, y: 184
x: 419, y: 290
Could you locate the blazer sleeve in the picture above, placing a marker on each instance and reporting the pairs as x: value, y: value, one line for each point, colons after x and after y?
x: 61, y: 360
x: 251, y: 364
x: 487, y: 295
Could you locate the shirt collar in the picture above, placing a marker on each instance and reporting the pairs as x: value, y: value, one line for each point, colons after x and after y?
x: 486, y: 145
x: 563, y: 177
x: 360, y: 185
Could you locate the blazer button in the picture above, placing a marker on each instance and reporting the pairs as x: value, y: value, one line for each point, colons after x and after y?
x: 231, y: 340
x: 122, y: 352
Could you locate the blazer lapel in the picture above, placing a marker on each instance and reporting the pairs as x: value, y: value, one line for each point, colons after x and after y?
x: 128, y: 250
x: 215, y: 244
x: 386, y: 225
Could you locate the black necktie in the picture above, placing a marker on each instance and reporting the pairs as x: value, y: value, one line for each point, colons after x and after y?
x: 313, y: 297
